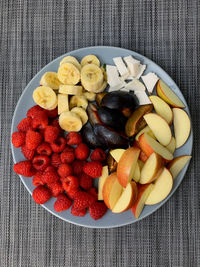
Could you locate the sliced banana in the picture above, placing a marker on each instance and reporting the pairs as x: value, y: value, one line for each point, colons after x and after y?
x: 63, y: 103
x: 90, y: 59
x: 68, y: 73
x: 90, y: 96
x: 45, y: 97
x: 78, y: 101
x: 72, y: 60
x: 55, y: 105
x: 70, y: 121
x: 71, y: 89
x: 102, y: 88
x: 91, y: 77
x: 50, y: 79
x: 81, y: 113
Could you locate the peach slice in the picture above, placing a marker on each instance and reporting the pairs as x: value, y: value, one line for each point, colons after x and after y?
x: 127, y: 198
x: 161, y: 189
x: 159, y: 127
x: 162, y: 108
x: 111, y: 190
x: 145, y: 130
x: 143, y: 193
x: 127, y: 164
x: 182, y: 126
x: 177, y: 164
x: 151, y: 169
x: 172, y: 145
x: 168, y: 95
x: 101, y: 182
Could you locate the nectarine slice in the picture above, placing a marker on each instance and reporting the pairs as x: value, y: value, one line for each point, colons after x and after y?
x: 177, y: 164
x: 101, y: 182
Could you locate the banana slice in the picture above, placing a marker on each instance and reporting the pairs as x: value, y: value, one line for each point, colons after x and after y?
x: 102, y: 88
x: 91, y: 77
x: 71, y: 89
x: 90, y: 59
x: 68, y: 73
x: 55, y: 105
x: 72, y: 60
x: 81, y: 113
x: 63, y: 103
x: 50, y: 79
x: 90, y: 96
x: 45, y: 97
x: 78, y: 101
x: 70, y: 121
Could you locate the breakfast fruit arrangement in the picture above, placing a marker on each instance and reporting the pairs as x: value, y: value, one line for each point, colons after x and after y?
x: 121, y: 137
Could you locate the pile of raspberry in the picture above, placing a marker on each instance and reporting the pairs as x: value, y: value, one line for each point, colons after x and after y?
x: 59, y: 164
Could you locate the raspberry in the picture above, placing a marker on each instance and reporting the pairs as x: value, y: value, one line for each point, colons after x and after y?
x: 69, y: 149
x: 40, y: 162
x: 56, y: 188
x: 77, y: 166
x: 41, y: 194
x: 44, y: 149
x: 33, y: 139
x: 24, y: 168
x: 50, y: 175
x: 62, y: 203
x: 97, y: 210
x: 67, y: 157
x: 73, y: 138
x: 25, y: 125
x: 82, y: 151
x: 52, y: 113
x: 71, y: 194
x: 40, y: 121
x: 65, y: 170
x: 32, y: 112
x: 38, y: 179
x: 70, y: 183
x: 85, y: 181
x: 83, y: 200
x: 93, y: 169
x: 51, y: 134
x: 56, y: 124
x: 55, y: 160
x: 79, y: 213
x: 98, y: 154
x: 28, y: 153
x: 18, y: 139
x: 93, y: 191
x: 59, y: 145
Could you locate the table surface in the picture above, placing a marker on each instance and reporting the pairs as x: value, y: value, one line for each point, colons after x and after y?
x: 32, y: 33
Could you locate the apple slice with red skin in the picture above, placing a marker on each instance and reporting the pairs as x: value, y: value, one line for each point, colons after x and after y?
x: 177, y: 164
x: 172, y: 145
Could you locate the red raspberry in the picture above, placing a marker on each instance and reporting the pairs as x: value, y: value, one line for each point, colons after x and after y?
x: 59, y: 145
x: 98, y: 154
x: 73, y: 138
x: 44, y: 149
x: 69, y: 149
x: 24, y: 168
x: 25, y: 125
x: 93, y: 192
x: 97, y: 210
x: 56, y: 124
x: 82, y: 151
x: 70, y: 183
x: 85, y: 181
x: 40, y: 121
x: 32, y: 112
x: 77, y: 166
x: 79, y: 213
x: 65, y: 170
x: 67, y: 157
x: 55, y: 160
x: 38, y: 179
x: 83, y: 200
x: 40, y: 162
x: 28, y: 153
x: 93, y: 169
x: 62, y: 203
x: 51, y: 134
x: 50, y: 175
x: 18, y: 139
x: 41, y: 194
x: 56, y: 188
x: 52, y: 113
x: 33, y: 139
x: 71, y: 194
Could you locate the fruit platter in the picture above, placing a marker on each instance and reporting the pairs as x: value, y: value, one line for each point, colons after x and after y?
x: 101, y: 137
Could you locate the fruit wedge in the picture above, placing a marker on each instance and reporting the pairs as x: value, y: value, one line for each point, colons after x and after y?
x: 101, y: 182
x: 117, y: 153
x: 177, y: 164
x: 172, y: 145
x: 145, y: 130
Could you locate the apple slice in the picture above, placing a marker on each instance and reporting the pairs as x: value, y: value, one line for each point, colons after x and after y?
x: 162, y: 108
x: 111, y: 190
x: 182, y: 126
x: 159, y: 127
x: 177, y: 164
x: 127, y: 164
x: 162, y: 187
x: 101, y: 182
x: 141, y: 164
x: 168, y: 95
x: 127, y: 198
x: 151, y: 169
x: 117, y: 153
x: 149, y: 145
x: 145, y: 130
x: 143, y: 193
x: 172, y: 145
x: 136, y: 175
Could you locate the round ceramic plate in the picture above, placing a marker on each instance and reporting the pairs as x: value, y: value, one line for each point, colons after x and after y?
x: 105, y: 54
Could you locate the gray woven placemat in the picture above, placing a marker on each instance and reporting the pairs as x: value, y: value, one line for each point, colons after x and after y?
x: 32, y: 33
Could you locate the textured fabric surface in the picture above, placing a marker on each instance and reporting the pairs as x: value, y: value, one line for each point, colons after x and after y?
x: 32, y: 33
